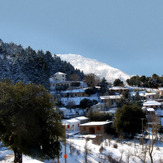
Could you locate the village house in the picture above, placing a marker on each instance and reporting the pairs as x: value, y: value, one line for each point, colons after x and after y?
x: 150, y: 96
x: 58, y: 82
x: 117, y: 90
x: 59, y: 76
x: 152, y: 104
x: 74, y: 93
x: 160, y: 91
x: 72, y: 124
x: 94, y: 127
x: 111, y: 100
x: 150, y: 112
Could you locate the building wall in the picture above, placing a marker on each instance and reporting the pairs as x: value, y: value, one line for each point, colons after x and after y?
x: 160, y: 92
x: 92, y: 129
x: 59, y: 77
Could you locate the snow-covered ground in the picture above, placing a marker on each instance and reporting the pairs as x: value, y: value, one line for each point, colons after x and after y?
x: 77, y: 100
x: 126, y: 151
x: 7, y: 156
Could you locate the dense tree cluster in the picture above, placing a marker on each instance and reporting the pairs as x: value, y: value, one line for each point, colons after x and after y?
x: 154, y: 81
x: 28, y: 123
x: 29, y: 66
x: 91, y: 91
x: 87, y: 103
x: 118, y: 82
x: 91, y: 79
x: 99, y: 116
x: 103, y: 86
x: 128, y: 120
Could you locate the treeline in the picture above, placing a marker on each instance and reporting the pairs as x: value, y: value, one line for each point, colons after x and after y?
x: 27, y: 65
x: 154, y: 81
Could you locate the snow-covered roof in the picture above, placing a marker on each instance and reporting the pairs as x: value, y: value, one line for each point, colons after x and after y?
x: 151, y: 103
x: 150, y: 94
x: 63, y: 108
x: 95, y: 123
x: 161, y: 88
x: 73, y: 120
x: 81, y: 118
x: 59, y: 73
x: 141, y: 93
x: 118, y: 88
x: 110, y: 97
x: 74, y: 91
x: 150, y: 109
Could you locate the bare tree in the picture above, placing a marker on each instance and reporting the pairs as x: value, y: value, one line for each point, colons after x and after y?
x: 86, y: 151
x: 73, y: 77
x: 121, y: 151
x: 143, y: 155
x: 128, y: 155
x: 91, y: 79
x: 71, y: 146
x: 109, y: 139
x: 154, y: 130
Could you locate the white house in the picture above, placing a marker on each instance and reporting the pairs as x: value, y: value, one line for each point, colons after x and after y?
x: 59, y: 76
x: 72, y: 124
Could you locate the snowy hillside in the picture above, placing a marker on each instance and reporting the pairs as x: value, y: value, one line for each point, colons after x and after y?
x: 100, y: 69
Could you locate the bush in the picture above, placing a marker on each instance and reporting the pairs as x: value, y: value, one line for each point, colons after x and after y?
x: 115, y: 146
x: 97, y: 140
x: 101, y: 149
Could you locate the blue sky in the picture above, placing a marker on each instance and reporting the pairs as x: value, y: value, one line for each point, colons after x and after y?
x: 126, y: 34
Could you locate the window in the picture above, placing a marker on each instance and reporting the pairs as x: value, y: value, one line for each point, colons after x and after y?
x: 98, y: 128
x: 84, y: 128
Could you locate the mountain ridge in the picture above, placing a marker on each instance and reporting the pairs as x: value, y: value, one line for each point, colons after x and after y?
x: 88, y: 65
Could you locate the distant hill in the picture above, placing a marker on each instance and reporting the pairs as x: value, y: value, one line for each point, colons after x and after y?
x: 100, y: 69
x: 29, y: 66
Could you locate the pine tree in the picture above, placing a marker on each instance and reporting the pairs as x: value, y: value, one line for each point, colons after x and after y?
x: 104, y: 86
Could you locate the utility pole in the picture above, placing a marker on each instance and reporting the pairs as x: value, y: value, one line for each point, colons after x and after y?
x: 142, y: 124
x: 142, y: 132
x: 65, y: 155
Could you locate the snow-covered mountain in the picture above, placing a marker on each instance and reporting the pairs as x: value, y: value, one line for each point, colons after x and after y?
x: 100, y: 69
